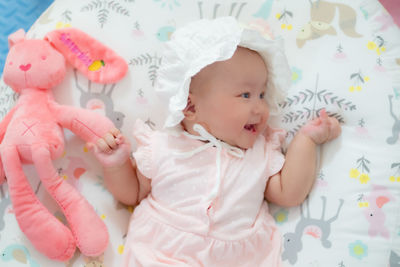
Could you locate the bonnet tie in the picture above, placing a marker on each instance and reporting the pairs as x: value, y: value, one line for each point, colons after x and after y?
x: 212, y: 141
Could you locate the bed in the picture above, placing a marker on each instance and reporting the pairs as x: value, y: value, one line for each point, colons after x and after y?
x: 344, y: 56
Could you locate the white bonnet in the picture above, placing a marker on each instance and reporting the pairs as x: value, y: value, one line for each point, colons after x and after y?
x: 204, y: 42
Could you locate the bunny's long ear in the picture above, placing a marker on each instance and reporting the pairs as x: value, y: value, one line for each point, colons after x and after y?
x: 96, y: 61
x: 16, y: 37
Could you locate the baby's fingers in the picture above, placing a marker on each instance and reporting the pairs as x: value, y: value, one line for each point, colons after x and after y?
x: 120, y: 139
x: 323, y: 114
x: 323, y: 118
x: 110, y: 140
x: 334, y: 127
x: 115, y: 132
x: 92, y: 147
x: 103, y: 146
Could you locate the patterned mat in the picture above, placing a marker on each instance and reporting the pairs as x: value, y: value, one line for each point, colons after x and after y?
x: 15, y: 14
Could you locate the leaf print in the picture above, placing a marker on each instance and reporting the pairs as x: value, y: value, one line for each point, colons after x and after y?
x: 103, y: 8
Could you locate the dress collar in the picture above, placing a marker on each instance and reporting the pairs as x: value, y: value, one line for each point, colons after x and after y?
x: 211, y: 142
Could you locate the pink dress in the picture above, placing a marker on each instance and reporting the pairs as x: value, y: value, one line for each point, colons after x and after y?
x: 182, y: 223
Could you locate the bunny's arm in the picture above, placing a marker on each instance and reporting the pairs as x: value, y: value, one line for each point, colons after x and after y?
x: 4, y: 123
x: 87, y: 124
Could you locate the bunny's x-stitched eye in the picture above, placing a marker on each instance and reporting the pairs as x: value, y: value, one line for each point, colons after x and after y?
x: 43, y: 57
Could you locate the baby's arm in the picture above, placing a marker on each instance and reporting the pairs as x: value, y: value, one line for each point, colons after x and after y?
x: 291, y: 186
x: 121, y: 175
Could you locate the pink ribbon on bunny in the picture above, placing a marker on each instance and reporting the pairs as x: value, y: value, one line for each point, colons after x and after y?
x: 32, y: 132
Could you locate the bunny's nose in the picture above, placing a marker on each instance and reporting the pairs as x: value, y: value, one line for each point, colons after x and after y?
x: 25, y: 67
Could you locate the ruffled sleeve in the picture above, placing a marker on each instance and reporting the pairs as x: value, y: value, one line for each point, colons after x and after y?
x: 143, y: 155
x: 274, y: 140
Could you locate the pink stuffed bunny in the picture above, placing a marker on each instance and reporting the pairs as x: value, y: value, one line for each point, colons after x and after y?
x: 32, y: 132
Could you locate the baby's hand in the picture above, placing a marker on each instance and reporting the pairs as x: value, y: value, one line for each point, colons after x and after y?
x: 112, y: 150
x: 322, y: 129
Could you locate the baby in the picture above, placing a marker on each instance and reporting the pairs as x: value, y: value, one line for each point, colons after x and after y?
x: 201, y: 186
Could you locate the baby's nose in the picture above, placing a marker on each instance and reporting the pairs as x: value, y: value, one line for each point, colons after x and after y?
x: 259, y: 107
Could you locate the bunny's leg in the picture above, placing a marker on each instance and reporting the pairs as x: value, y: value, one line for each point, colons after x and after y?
x: 89, y: 230
x: 46, y: 233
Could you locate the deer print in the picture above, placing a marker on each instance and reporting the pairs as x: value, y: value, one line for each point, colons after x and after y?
x: 394, y: 259
x: 396, y: 126
x: 102, y: 100
x: 76, y: 167
x: 4, y: 203
x: 318, y: 228
x: 17, y: 253
x: 94, y: 261
x: 322, y: 14
x: 234, y: 6
x: 374, y: 214
x: 71, y: 261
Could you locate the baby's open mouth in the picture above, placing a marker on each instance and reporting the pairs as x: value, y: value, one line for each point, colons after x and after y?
x: 250, y: 127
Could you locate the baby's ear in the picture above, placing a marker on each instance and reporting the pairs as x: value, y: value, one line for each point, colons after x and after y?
x: 190, y: 110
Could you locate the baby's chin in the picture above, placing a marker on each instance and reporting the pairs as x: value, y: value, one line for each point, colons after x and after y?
x: 241, y: 142
x: 244, y: 145
x: 244, y: 140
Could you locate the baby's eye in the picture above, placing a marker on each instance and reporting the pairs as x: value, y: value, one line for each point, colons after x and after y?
x: 262, y: 95
x: 245, y: 95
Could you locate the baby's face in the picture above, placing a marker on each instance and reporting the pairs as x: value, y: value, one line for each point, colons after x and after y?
x: 228, y: 98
